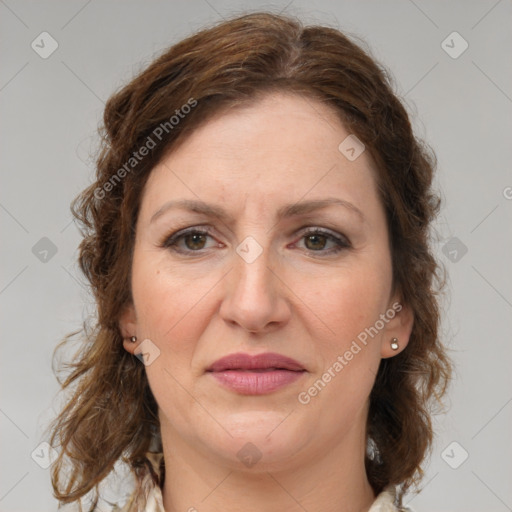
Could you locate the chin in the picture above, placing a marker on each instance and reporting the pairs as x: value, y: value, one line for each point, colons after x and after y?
x: 259, y: 440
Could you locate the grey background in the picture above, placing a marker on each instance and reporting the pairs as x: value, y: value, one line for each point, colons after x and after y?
x: 50, y: 109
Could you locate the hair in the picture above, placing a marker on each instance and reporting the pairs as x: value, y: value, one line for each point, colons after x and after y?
x: 111, y: 413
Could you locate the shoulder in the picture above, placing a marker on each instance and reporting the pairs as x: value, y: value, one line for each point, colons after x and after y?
x: 141, y: 494
x: 385, y: 502
x: 147, y: 497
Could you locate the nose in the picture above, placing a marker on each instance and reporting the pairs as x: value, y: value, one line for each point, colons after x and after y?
x: 255, y: 297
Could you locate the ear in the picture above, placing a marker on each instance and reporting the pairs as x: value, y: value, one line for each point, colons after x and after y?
x: 128, y: 328
x: 399, y: 326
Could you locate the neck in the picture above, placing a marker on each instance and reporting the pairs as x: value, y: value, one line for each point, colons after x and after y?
x: 333, y: 481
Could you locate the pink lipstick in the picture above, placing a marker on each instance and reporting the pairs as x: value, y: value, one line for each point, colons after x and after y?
x: 256, y: 375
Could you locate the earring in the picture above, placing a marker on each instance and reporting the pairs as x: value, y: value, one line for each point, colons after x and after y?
x: 394, y: 343
x: 133, y: 339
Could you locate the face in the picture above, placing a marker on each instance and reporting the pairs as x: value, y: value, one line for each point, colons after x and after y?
x: 258, y: 235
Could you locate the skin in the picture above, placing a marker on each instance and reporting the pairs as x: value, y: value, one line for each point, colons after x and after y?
x: 296, y: 298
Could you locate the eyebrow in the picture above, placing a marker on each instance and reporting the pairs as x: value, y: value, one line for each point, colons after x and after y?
x: 290, y: 210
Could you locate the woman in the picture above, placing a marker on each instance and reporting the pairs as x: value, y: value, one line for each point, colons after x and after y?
x: 257, y: 243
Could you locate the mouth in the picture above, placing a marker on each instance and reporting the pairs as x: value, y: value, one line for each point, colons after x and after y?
x: 255, y: 375
x: 258, y: 363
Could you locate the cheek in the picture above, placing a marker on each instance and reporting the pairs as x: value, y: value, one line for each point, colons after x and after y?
x: 348, y: 357
x: 348, y: 305
x: 345, y: 302
x: 171, y: 308
x: 171, y: 313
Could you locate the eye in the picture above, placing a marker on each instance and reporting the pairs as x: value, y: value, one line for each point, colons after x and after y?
x: 188, y: 240
x: 195, y: 239
x: 319, y: 240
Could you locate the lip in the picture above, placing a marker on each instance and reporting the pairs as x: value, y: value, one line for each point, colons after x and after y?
x: 256, y: 375
x: 243, y: 361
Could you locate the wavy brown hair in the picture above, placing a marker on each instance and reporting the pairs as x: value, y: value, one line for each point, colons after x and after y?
x: 111, y: 413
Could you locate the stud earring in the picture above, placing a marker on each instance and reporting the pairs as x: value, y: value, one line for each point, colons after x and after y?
x: 394, y: 343
x: 133, y: 339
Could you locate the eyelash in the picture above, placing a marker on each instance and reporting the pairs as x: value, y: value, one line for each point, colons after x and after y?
x: 171, y: 242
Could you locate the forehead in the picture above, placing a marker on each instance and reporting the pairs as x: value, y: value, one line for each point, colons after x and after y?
x: 275, y: 122
x: 280, y: 146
